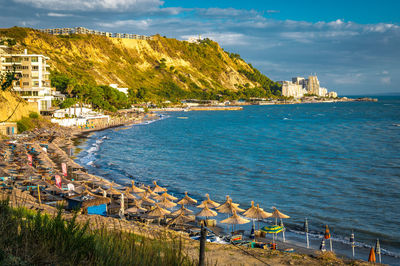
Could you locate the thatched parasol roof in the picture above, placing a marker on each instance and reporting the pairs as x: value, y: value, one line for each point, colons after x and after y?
x: 128, y: 194
x: 208, y: 203
x: 235, y: 219
x: 135, y: 189
x: 167, y: 203
x: 206, y: 212
x: 98, y: 190
x: 157, y: 188
x: 187, y: 200
x: 229, y: 207
x: 165, y: 195
x: 112, y: 191
x: 250, y: 210
x: 135, y: 209
x: 157, y: 211
x: 181, y: 219
x: 257, y: 213
x: 278, y: 214
x: 181, y: 210
x: 145, y: 199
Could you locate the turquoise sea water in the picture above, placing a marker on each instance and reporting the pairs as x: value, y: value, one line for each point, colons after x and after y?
x: 334, y: 163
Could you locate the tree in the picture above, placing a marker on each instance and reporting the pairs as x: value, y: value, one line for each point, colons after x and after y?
x: 7, y: 78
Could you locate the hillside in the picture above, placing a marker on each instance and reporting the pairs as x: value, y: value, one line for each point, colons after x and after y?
x: 164, y: 68
x: 12, y: 108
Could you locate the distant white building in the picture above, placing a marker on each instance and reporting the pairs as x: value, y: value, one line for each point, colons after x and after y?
x: 300, y: 86
x: 194, y: 39
x: 290, y: 89
x: 78, y: 116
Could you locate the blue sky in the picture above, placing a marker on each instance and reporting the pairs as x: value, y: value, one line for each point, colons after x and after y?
x: 352, y: 45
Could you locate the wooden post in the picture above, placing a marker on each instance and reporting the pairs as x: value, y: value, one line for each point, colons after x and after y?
x: 203, y: 234
x: 38, y: 189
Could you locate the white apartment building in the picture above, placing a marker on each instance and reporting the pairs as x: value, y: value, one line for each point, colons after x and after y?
x: 290, y: 89
x: 82, y: 30
x: 33, y: 84
x: 300, y: 86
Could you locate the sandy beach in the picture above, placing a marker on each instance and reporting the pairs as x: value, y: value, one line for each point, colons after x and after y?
x: 51, y: 150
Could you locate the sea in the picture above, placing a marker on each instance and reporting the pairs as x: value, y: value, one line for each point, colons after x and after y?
x: 336, y: 164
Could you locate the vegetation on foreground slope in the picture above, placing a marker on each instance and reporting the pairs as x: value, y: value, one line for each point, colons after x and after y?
x: 30, y: 238
x: 156, y: 71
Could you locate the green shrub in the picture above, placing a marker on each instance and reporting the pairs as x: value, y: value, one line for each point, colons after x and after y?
x: 38, y: 239
x: 24, y: 124
x: 33, y: 115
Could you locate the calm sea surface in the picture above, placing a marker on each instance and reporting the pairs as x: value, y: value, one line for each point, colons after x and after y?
x: 334, y: 163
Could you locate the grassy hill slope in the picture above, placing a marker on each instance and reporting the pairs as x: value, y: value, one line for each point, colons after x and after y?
x: 165, y: 68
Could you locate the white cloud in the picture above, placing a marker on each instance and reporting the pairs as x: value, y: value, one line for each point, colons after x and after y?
x: 51, y: 14
x: 138, y: 24
x: 90, y: 5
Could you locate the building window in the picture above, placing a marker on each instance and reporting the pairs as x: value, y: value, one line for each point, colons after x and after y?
x: 35, y: 68
x: 25, y: 75
x: 36, y: 83
x: 35, y: 93
x: 34, y: 59
x: 25, y: 84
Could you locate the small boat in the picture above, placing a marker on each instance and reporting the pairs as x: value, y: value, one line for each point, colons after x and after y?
x: 182, y: 117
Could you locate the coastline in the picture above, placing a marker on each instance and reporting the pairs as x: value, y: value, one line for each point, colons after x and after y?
x: 298, y: 247
x: 237, y: 106
x: 299, y: 250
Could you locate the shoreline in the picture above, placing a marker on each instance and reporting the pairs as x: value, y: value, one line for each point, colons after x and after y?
x: 236, y: 106
x: 85, y: 134
x: 290, y: 244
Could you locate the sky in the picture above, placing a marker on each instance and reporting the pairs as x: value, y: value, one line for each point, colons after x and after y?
x: 352, y: 45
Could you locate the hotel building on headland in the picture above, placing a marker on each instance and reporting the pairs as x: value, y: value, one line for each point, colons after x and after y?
x: 82, y: 30
x: 33, y: 82
x: 300, y: 86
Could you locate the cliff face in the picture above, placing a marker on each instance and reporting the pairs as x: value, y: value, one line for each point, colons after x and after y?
x: 136, y: 63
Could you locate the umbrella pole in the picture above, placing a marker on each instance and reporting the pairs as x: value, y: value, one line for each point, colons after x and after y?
x: 330, y: 243
x: 283, y: 231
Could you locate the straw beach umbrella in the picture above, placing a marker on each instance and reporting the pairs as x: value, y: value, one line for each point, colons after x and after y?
x: 165, y: 195
x: 181, y: 210
x: 208, y: 203
x: 187, y: 200
x: 235, y: 219
x: 255, y: 212
x: 158, y: 189
x: 134, y: 210
x: 148, y: 192
x: 181, y: 219
x: 98, y: 191
x: 112, y: 191
x: 128, y: 194
x: 135, y: 189
x: 147, y: 200
x: 206, y: 212
x: 229, y: 207
x: 277, y: 214
x: 167, y: 203
x: 158, y: 212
